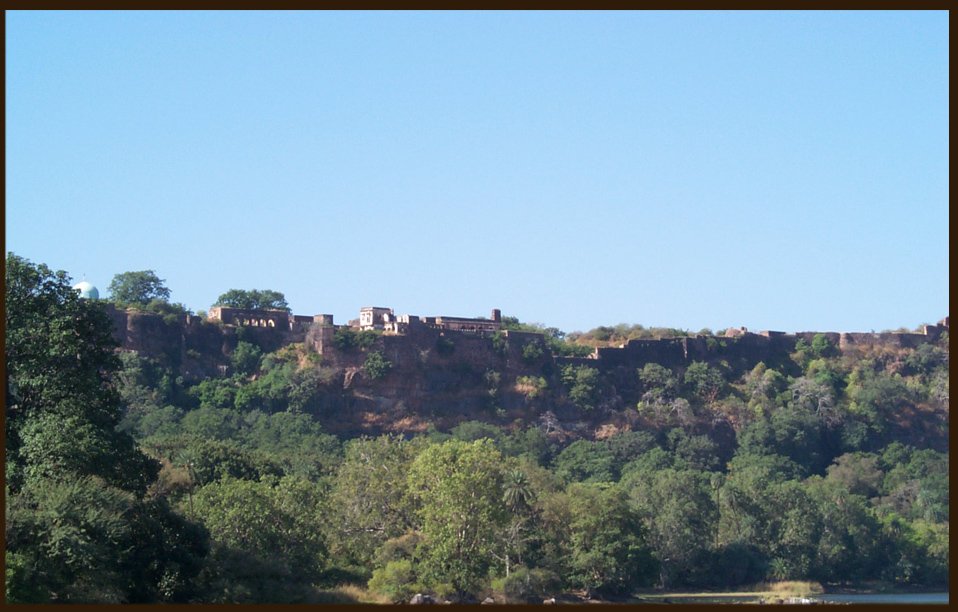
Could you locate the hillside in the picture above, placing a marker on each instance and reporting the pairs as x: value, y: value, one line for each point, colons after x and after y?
x: 165, y: 457
x: 438, y: 378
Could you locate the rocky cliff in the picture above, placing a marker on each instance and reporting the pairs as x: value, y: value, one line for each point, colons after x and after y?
x: 442, y: 377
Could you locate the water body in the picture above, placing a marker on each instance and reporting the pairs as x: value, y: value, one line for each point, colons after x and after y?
x: 849, y: 598
x: 885, y: 598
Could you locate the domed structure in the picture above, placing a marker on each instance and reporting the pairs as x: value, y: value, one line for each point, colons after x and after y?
x: 87, y: 291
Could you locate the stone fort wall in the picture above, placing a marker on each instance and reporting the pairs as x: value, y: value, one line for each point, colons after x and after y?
x: 202, y: 347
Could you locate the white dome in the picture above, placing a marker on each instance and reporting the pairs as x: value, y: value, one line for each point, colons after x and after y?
x: 87, y: 290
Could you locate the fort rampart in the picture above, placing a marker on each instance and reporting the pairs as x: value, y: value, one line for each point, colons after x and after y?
x: 201, y: 347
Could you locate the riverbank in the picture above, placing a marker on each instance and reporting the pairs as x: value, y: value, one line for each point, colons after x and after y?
x: 876, y: 587
x: 870, y: 592
x: 762, y: 591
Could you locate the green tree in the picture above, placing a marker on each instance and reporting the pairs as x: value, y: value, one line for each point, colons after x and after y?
x: 528, y: 585
x: 267, y: 539
x: 295, y: 441
x: 916, y: 485
x: 517, y: 494
x: 877, y: 397
x: 138, y: 288
x: 626, y: 446
x: 369, y: 499
x: 212, y: 423
x: 704, y: 381
x: 796, y: 433
x: 459, y: 488
x: 851, y: 546
x: 212, y: 460
x: 925, y: 359
x: 531, y: 386
x: 376, y: 366
x: 396, y: 580
x: 83, y: 540
x: 470, y: 431
x: 253, y: 299
x: 245, y: 357
x: 821, y: 347
x: 63, y: 541
x: 140, y: 390
x: 763, y: 387
x: 62, y: 410
x: 500, y: 344
x: 531, y: 443
x: 583, y: 385
x: 77, y: 523
x: 763, y: 507
x: 859, y: 473
x: 518, y: 498
x: 659, y: 383
x: 694, y: 452
x: 744, y: 493
x: 162, y: 555
x: 346, y: 339
x: 585, y: 461
x: 608, y: 549
x: 654, y: 459
x: 532, y: 352
x: 679, y: 510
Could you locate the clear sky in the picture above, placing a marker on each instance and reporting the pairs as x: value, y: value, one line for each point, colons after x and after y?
x: 784, y: 171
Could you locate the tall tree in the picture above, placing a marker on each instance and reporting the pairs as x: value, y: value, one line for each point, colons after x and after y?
x: 138, y: 288
x: 609, y: 553
x: 267, y: 545
x: 679, y: 509
x: 253, y: 299
x: 62, y: 408
x: 77, y: 524
x: 369, y: 502
x: 703, y: 381
x: 518, y: 497
x: 460, y: 487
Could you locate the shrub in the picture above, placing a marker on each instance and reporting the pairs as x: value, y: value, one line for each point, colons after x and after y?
x: 582, y: 383
x: 531, y: 386
x: 245, y: 358
x: 526, y: 585
x: 376, y: 366
x: 344, y: 338
x: 821, y: 347
x: 499, y: 343
x: 396, y: 581
x: 532, y: 352
x: 366, y: 339
x: 492, y: 379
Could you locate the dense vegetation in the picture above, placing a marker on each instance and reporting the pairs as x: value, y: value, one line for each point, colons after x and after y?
x: 125, y: 483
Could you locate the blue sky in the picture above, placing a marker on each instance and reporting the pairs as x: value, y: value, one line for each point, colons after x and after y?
x: 778, y: 170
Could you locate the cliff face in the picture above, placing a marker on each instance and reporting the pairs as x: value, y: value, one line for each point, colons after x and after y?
x: 446, y: 377
x: 437, y: 377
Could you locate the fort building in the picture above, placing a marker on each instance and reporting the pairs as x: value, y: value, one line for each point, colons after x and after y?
x: 374, y: 317
x: 242, y: 317
x: 384, y: 319
x: 282, y: 327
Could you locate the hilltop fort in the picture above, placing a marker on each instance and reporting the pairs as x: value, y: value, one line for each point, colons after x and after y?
x: 152, y: 334
x: 441, y: 370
